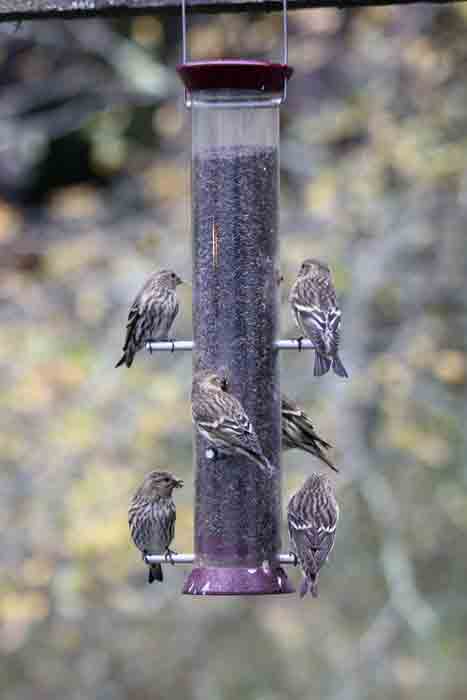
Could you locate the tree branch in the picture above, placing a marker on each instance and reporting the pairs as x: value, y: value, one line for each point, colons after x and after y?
x: 16, y: 10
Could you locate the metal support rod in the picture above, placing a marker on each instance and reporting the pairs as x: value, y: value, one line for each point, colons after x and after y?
x: 187, y: 345
x: 287, y: 559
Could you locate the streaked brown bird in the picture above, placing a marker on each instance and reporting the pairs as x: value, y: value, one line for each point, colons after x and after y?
x: 299, y: 433
x: 151, y: 314
x: 314, y: 306
x: 312, y: 516
x: 221, y: 418
x: 151, y: 517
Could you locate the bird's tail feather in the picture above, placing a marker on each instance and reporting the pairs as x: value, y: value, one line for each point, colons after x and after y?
x: 155, y: 573
x: 126, y: 359
x: 261, y: 461
x: 322, y: 365
x: 327, y: 461
x: 338, y: 367
x: 316, y: 451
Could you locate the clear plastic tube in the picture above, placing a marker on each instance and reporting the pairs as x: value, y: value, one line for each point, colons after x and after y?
x: 235, y: 192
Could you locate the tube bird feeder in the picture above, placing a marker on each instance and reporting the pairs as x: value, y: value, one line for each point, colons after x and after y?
x: 235, y: 198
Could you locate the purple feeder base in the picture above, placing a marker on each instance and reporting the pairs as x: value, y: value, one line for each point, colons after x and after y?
x: 219, y: 580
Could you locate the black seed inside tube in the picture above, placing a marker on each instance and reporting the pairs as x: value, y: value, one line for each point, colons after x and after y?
x: 235, y: 304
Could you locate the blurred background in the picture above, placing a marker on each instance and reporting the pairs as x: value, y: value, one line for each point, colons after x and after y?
x: 94, y: 194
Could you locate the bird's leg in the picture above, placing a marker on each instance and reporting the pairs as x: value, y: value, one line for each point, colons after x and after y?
x: 150, y: 347
x: 168, y: 556
x: 299, y: 341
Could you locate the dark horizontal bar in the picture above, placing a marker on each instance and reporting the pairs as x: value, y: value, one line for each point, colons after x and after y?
x: 15, y: 10
x: 190, y: 558
x: 187, y: 345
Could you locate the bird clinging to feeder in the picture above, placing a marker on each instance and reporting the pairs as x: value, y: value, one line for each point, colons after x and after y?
x: 151, y: 517
x: 316, y: 312
x: 221, y: 419
x: 152, y: 313
x: 299, y: 433
x: 312, y: 516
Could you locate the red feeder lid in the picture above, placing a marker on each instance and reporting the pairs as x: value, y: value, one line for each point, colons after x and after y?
x: 235, y: 75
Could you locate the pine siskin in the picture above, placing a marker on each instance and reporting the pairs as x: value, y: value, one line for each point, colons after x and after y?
x: 314, y: 306
x: 298, y: 433
x: 312, y: 516
x: 221, y: 419
x: 151, y: 517
x: 151, y: 314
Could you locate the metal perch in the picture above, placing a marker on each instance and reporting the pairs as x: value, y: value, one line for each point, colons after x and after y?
x: 187, y: 345
x: 287, y: 559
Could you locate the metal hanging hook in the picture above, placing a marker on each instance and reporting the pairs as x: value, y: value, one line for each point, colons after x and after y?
x: 183, y: 31
x: 285, y: 35
x: 285, y: 46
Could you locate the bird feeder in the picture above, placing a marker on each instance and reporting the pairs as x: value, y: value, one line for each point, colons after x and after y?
x: 234, y: 109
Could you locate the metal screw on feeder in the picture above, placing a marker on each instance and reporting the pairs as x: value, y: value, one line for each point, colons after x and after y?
x: 235, y: 191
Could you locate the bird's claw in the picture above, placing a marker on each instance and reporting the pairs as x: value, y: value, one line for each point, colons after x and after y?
x: 299, y: 341
x: 168, y: 556
x: 295, y: 558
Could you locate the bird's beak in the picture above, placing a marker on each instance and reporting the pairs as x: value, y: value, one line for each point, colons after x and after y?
x: 178, y: 483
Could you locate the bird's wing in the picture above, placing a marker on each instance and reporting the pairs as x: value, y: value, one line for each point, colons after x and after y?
x: 313, y: 314
x: 136, y: 312
x: 289, y: 408
x: 140, y: 300
x: 312, y: 322
x: 313, y: 542
x: 172, y: 519
x: 298, y: 417
x: 300, y: 424
x: 231, y: 419
x: 225, y: 421
x: 133, y: 317
x: 322, y: 326
x: 324, y: 523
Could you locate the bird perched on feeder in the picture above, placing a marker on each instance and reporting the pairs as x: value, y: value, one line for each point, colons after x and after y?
x: 314, y: 306
x: 221, y: 418
x: 312, y: 516
x: 152, y: 313
x: 298, y: 433
x: 151, y: 517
